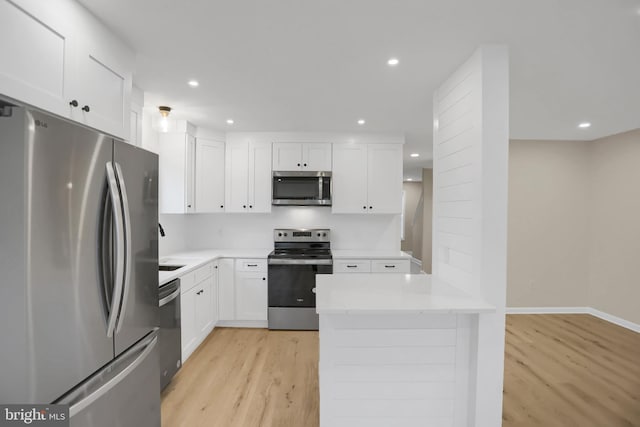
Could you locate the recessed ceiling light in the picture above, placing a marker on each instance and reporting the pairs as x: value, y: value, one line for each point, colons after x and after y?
x: 193, y: 83
x: 230, y: 121
x: 361, y: 121
x: 584, y: 125
x: 393, y: 62
x: 409, y: 179
x: 414, y: 155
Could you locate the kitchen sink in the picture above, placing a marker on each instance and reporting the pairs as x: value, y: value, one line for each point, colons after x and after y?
x: 169, y: 267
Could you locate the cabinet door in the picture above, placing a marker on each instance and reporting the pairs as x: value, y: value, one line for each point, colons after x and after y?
x: 173, y: 172
x: 385, y: 178
x: 209, y: 176
x: 203, y: 307
x: 103, y: 88
x: 37, y: 55
x: 190, y: 177
x: 226, y: 292
x: 188, y: 325
x: 251, y: 296
x: 236, y: 177
x: 287, y: 156
x: 259, y: 178
x: 349, y: 178
x: 316, y: 156
x: 214, y: 295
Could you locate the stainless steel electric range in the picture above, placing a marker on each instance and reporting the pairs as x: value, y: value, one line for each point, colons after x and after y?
x: 298, y: 255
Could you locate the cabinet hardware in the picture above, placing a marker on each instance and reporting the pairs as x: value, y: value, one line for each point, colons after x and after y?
x: 298, y: 164
x: 188, y: 206
x: 389, y: 266
x: 305, y: 165
x: 215, y: 266
x: 370, y: 207
x: 86, y: 109
x: 352, y: 266
x: 250, y: 206
x: 221, y: 206
x: 74, y: 103
x: 264, y: 278
x: 364, y: 207
x: 244, y: 206
x: 252, y: 265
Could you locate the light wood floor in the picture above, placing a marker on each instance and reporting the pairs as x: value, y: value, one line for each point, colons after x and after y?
x: 560, y: 370
x: 570, y: 370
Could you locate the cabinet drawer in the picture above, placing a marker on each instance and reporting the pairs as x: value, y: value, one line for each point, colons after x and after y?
x: 351, y: 266
x: 203, y: 272
x: 251, y: 265
x: 390, y: 266
x: 187, y: 281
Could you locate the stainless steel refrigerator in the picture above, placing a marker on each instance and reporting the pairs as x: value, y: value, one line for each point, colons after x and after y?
x: 78, y: 271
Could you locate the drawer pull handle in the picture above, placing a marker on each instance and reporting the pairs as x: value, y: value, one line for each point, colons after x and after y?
x: 252, y: 265
x: 389, y: 266
x: 300, y: 299
x: 352, y: 266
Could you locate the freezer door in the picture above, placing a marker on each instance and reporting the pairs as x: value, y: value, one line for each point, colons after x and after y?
x: 62, y: 308
x: 125, y: 393
x: 137, y: 172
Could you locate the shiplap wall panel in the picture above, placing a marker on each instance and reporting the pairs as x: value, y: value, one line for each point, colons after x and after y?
x: 470, y: 156
x: 396, y: 421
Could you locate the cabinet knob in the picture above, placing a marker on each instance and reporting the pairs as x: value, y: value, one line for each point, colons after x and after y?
x: 264, y: 278
x: 188, y: 206
x: 298, y: 164
x: 86, y: 109
x: 244, y: 206
x: 215, y: 266
x: 305, y: 164
x: 250, y: 206
x: 221, y: 206
x: 370, y: 207
x: 74, y: 103
x: 364, y: 207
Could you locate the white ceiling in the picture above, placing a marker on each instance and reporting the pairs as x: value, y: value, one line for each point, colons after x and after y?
x: 305, y: 65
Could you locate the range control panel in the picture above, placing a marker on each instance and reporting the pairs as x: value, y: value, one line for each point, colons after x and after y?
x: 301, y: 235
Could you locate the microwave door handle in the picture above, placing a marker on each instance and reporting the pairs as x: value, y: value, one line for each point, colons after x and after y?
x: 320, y: 187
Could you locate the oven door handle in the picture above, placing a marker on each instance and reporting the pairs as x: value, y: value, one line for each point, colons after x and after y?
x: 276, y: 261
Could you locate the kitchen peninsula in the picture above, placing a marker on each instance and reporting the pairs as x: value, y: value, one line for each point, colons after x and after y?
x: 396, y: 349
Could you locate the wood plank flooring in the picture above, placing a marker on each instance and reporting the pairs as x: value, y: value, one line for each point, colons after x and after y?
x: 570, y: 370
x: 560, y: 370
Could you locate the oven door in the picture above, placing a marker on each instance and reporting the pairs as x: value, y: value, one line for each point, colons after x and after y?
x: 293, y: 285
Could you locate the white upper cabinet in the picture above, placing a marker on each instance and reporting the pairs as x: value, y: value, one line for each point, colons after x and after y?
x: 309, y: 156
x: 58, y: 57
x: 177, y: 172
x: 349, y: 193
x: 384, y: 178
x: 367, y: 178
x: 209, y: 177
x: 248, y: 177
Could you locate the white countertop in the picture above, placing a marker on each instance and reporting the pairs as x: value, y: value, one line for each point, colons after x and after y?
x: 360, y: 254
x: 194, y: 259
x: 384, y: 293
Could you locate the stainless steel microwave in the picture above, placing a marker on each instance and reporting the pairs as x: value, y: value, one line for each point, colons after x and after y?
x: 301, y: 188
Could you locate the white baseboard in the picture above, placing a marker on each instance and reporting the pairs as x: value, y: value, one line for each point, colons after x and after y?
x: 614, y: 319
x: 242, y: 324
x: 547, y: 310
x: 576, y: 310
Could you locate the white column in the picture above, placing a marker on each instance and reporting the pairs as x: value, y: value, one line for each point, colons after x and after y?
x: 470, y: 160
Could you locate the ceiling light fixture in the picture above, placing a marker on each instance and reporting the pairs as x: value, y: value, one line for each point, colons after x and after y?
x: 361, y: 121
x: 409, y: 179
x: 393, y: 62
x: 230, y: 121
x: 193, y: 83
x: 164, y: 121
x: 584, y: 125
x: 414, y: 155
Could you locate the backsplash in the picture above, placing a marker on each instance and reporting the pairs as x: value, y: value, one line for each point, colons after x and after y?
x: 238, y: 231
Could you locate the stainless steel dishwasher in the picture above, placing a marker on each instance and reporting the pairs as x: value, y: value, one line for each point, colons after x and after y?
x: 169, y: 337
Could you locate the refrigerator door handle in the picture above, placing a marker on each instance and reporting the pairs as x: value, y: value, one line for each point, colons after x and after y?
x: 99, y: 389
x: 127, y: 242
x: 116, y: 204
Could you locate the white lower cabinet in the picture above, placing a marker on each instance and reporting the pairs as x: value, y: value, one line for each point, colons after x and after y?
x: 251, y: 296
x: 198, y: 306
x: 392, y: 265
x: 243, y: 292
